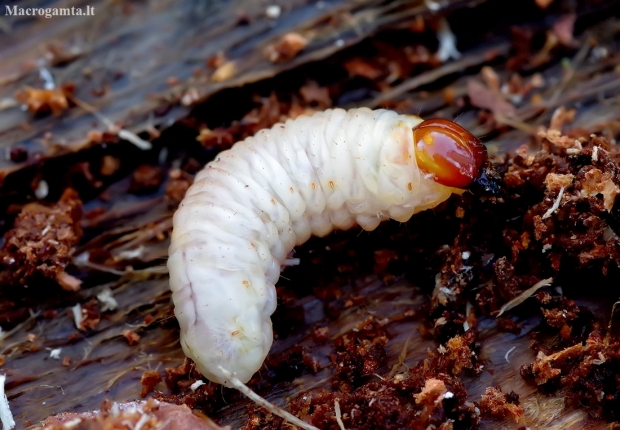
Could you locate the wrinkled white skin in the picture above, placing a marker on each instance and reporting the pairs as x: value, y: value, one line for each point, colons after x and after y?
x: 248, y: 208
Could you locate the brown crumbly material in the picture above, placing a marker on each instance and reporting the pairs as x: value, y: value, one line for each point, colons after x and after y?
x: 109, y: 165
x: 557, y: 217
x: 508, y: 325
x: 484, y: 97
x: 271, y: 110
x: 90, y: 315
x: 178, y: 185
x: 42, y: 242
x: 208, y: 397
x: 575, y: 236
x: 496, y: 404
x: 508, y: 285
x: 406, y: 400
x: 360, y: 352
x: 175, y: 374
x: 578, y: 239
x: 44, y: 100
x: 215, y: 138
x: 131, y: 336
x: 597, y: 182
x: 360, y: 67
x: 18, y: 154
x: 291, y: 363
x: 460, y: 354
x: 586, y: 371
x: 560, y: 117
x: 149, y: 379
x: 555, y: 182
x: 383, y: 260
x: 541, y: 370
x: 427, y: 395
x: 563, y: 317
x: 314, y: 95
x: 146, y: 178
x: 433, y: 389
x: 286, y: 48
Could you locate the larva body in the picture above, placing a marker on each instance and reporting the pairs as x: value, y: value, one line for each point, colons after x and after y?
x: 248, y: 208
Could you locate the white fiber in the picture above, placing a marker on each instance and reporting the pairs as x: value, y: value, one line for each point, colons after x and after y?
x: 6, y: 416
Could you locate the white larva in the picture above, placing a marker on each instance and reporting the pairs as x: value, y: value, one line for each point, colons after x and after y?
x: 248, y: 208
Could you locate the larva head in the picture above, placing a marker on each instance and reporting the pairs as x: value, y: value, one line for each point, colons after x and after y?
x: 452, y: 155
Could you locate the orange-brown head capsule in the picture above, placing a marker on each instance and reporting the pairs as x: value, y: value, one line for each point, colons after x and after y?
x: 444, y: 149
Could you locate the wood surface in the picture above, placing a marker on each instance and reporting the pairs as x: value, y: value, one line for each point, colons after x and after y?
x: 131, y: 49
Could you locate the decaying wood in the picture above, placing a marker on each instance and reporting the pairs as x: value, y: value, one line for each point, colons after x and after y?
x: 131, y: 52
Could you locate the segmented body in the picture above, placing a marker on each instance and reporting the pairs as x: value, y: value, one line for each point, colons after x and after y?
x: 249, y: 207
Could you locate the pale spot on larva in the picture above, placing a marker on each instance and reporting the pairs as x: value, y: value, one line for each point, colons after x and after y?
x: 331, y: 184
x: 291, y: 189
x: 410, y: 186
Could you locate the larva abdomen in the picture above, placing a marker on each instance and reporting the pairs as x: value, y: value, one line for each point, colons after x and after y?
x: 250, y: 207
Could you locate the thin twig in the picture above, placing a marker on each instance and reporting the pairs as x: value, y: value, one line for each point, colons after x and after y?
x: 120, y: 132
x: 401, y: 359
x: 556, y: 205
x: 525, y: 295
x: 568, y: 77
x: 611, y: 318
